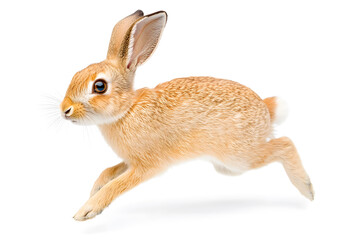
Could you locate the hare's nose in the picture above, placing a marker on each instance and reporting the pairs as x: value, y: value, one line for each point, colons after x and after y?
x: 68, y: 111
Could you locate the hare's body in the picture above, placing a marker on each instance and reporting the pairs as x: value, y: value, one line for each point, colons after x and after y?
x: 151, y: 129
x: 190, y: 117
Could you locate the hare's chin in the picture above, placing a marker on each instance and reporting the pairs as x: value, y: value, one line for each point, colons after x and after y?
x: 97, y: 120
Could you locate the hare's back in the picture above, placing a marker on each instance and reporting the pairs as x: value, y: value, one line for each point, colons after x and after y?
x: 217, y: 108
x: 213, y: 92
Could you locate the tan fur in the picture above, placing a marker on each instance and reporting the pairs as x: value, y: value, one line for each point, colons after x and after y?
x: 121, y: 33
x: 271, y: 105
x: 176, y: 121
x: 108, y: 175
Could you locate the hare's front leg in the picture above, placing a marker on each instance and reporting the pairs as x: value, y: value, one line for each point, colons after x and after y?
x: 107, y: 175
x: 96, y: 204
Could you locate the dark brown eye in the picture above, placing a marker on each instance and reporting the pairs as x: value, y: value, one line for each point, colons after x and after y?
x: 100, y: 86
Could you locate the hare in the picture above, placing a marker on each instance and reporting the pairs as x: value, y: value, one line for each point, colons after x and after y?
x: 151, y: 129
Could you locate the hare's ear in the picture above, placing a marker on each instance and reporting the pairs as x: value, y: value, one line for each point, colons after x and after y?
x: 119, y: 32
x: 142, y: 39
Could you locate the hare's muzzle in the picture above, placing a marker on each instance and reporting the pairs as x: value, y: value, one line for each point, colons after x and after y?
x: 67, y: 107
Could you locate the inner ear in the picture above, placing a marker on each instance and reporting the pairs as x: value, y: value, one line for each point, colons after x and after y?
x: 143, y: 37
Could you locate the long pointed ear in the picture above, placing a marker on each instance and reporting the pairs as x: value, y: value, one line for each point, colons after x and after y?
x: 142, y: 39
x: 119, y: 32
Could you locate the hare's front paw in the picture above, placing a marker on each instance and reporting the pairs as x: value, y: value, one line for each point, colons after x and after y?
x: 88, y: 211
x: 97, y: 186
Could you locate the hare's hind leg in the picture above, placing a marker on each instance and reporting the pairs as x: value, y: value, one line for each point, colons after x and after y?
x: 283, y: 150
x: 221, y: 168
x: 232, y: 164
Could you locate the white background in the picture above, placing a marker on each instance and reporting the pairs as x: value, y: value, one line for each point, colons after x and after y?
x: 307, y: 52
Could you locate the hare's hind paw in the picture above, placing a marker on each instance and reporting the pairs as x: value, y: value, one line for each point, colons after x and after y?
x: 307, y: 190
x: 303, y: 184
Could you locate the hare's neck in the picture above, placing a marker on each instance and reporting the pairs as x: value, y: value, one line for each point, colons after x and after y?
x: 124, y: 135
x: 112, y: 135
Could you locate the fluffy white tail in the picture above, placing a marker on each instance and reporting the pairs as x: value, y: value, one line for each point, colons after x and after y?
x: 278, y: 109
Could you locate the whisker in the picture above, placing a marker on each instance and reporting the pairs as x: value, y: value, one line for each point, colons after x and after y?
x: 56, y: 124
x: 50, y: 106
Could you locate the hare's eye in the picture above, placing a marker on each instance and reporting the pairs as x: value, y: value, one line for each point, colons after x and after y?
x: 100, y: 86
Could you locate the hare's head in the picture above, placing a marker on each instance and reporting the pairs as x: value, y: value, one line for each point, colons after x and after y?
x: 102, y: 93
